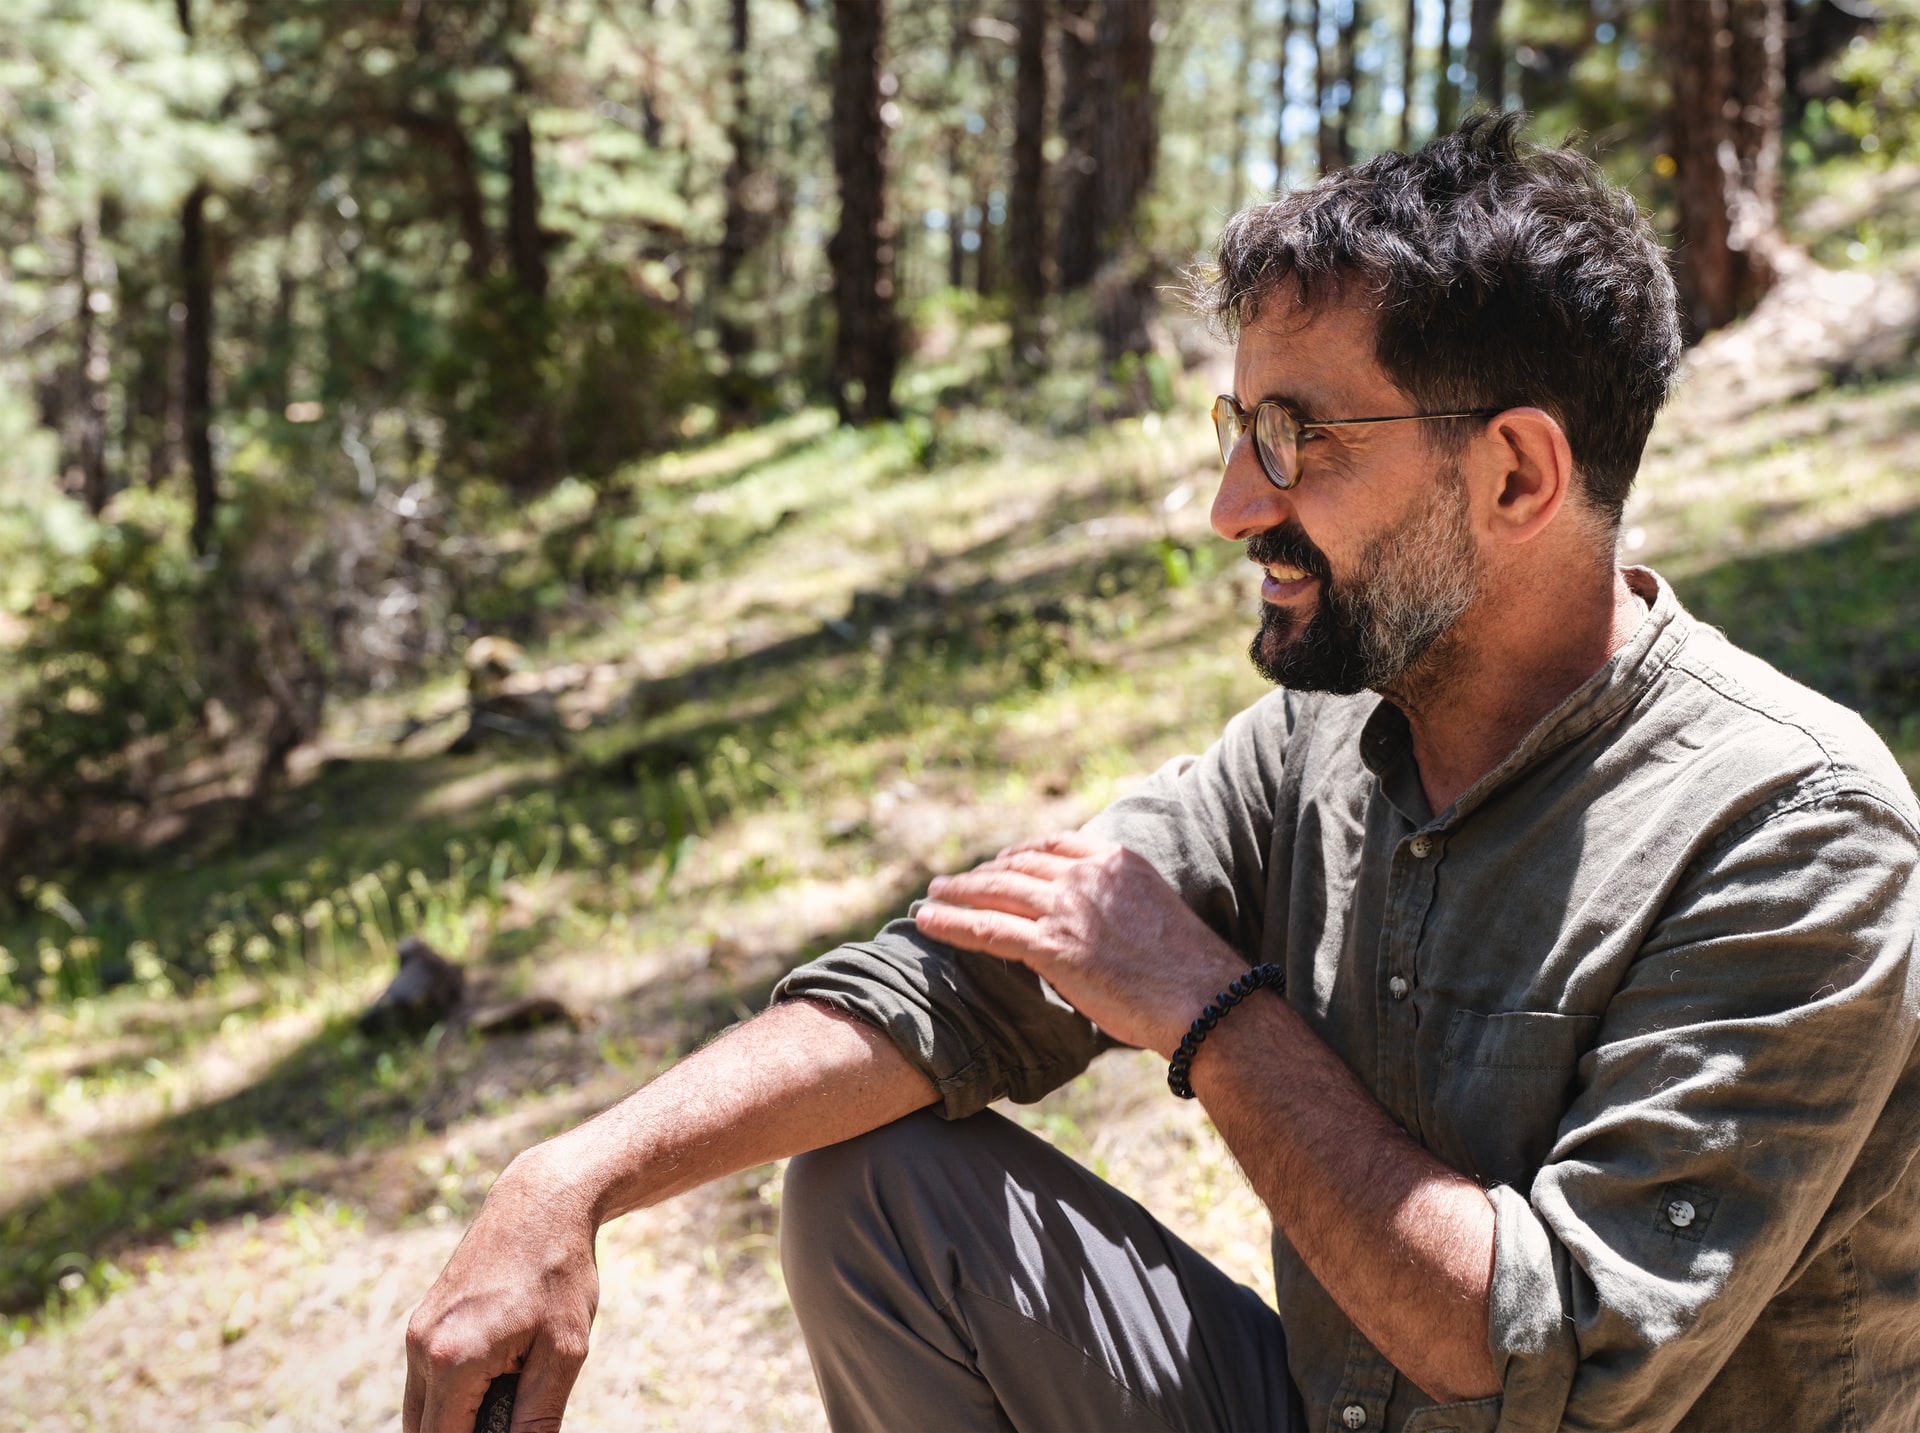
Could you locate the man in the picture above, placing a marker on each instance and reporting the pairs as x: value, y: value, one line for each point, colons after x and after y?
x: 1589, y: 1098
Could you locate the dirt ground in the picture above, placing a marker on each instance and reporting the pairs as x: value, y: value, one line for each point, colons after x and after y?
x: 295, y: 1323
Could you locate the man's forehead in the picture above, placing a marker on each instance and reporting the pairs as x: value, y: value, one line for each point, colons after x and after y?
x: 1312, y: 353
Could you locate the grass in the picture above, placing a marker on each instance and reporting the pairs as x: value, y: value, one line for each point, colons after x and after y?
x: 856, y: 658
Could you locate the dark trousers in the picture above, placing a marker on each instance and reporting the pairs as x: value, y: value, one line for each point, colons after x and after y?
x: 966, y: 1275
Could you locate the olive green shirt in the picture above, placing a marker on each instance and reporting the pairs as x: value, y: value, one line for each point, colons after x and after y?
x: 1651, y: 981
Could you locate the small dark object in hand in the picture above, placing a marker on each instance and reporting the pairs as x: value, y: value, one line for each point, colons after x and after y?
x: 496, y: 1409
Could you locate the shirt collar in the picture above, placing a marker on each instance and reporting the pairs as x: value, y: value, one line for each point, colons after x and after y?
x: 1386, y: 743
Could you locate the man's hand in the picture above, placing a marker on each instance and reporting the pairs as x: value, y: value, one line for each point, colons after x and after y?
x: 1095, y: 921
x: 518, y: 1294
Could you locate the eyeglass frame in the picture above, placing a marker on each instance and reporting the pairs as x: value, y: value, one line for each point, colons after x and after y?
x: 1248, y: 422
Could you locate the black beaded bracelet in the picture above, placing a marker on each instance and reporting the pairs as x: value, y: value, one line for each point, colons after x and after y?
x: 1269, y: 976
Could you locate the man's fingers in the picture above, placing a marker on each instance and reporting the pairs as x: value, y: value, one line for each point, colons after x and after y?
x: 451, y: 1399
x: 995, y: 888
x: 546, y: 1381
x: 1032, y: 862
x: 987, y: 931
x: 415, y: 1402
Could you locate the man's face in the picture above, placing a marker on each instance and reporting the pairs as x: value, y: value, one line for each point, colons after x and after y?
x: 1370, y: 558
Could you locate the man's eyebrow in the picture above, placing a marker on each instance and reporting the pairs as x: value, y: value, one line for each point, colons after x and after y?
x: 1293, y: 403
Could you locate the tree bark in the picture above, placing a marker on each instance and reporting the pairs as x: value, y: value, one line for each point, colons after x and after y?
x: 196, y: 292
x: 1077, y: 251
x: 1237, y: 171
x: 961, y: 188
x: 1725, y: 63
x: 1407, y: 73
x: 1127, y: 137
x: 1446, y: 90
x: 1289, y: 26
x: 736, y: 233
x: 1328, y: 133
x: 87, y: 442
x: 196, y: 345
x: 865, y: 352
x: 1027, y: 226
x: 1127, y: 141
x: 1345, y: 82
x: 526, y: 245
x: 1489, y: 59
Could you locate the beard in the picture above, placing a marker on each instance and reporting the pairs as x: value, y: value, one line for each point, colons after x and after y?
x: 1391, y: 616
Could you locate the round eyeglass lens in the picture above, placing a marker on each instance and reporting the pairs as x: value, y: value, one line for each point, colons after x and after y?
x: 1276, y: 436
x: 1226, y: 426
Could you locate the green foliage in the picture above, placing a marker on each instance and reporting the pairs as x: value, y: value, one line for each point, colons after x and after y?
x: 1882, y: 69
x: 110, y: 662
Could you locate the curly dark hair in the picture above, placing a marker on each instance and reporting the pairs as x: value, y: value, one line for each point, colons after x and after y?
x: 1506, y: 274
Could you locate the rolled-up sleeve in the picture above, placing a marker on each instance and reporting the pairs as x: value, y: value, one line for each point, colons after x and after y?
x: 1731, y: 1121
x: 982, y: 1029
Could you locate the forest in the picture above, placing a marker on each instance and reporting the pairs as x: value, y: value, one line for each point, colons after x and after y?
x: 615, y: 493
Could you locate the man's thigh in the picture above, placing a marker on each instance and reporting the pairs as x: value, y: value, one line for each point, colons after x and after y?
x: 967, y: 1275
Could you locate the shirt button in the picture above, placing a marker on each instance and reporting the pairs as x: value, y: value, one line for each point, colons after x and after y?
x: 1422, y: 847
x: 1354, y: 1416
x: 1680, y: 1213
x: 1398, y: 987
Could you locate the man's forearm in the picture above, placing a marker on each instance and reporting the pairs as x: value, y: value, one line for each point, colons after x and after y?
x: 520, y: 1291
x: 1403, y: 1243
x: 795, y: 1078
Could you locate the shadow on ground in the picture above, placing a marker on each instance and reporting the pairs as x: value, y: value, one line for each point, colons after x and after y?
x: 313, y: 1123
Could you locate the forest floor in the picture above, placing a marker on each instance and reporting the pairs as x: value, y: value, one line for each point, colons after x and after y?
x: 900, y: 649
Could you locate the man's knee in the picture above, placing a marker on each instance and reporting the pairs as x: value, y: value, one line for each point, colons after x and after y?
x: 830, y: 1186
x: 835, y: 1202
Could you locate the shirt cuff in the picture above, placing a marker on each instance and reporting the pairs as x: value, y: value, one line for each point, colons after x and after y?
x: 1529, y: 1331
x: 979, y: 1028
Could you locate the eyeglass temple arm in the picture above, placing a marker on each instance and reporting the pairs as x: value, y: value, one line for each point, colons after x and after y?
x: 1397, y: 418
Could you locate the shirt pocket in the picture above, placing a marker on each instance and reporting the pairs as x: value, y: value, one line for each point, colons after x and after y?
x: 1505, y: 1082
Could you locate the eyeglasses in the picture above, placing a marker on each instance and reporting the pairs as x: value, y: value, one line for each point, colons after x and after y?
x: 1276, y: 432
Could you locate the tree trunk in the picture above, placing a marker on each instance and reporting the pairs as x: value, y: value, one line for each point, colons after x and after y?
x: 1759, y: 84
x: 1489, y: 60
x: 1289, y: 25
x: 1237, y: 170
x: 196, y: 345
x: 865, y: 351
x: 1026, y: 227
x: 87, y: 439
x: 736, y: 233
x: 1026, y: 210
x: 1345, y: 82
x: 1127, y: 141
x: 196, y: 354
x: 526, y: 245
x: 1725, y: 63
x: 1127, y: 136
x: 961, y: 188
x: 1446, y: 89
x: 1077, y: 252
x: 1407, y: 73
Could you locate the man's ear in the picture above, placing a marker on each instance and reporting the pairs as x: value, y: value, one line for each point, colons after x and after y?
x: 1526, y: 469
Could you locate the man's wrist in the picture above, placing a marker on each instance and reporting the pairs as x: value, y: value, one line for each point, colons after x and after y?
x: 1247, y: 982
x: 567, y: 1174
x: 1239, y: 1037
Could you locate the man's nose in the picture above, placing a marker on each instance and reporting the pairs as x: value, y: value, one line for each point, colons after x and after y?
x: 1246, y: 502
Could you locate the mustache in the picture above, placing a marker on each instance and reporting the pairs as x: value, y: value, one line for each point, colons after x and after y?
x: 1290, y: 545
